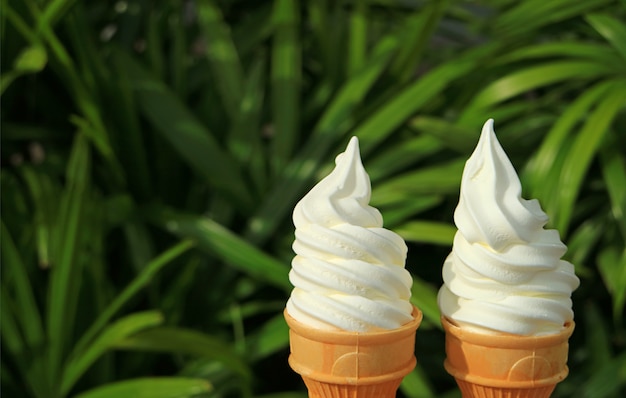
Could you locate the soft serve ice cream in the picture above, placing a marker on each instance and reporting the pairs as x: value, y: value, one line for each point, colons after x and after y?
x: 348, y: 272
x: 505, y: 272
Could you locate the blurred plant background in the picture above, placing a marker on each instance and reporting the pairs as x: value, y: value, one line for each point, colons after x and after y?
x: 152, y: 153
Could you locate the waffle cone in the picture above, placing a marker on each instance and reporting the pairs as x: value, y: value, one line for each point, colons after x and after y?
x: 504, y: 365
x: 340, y: 364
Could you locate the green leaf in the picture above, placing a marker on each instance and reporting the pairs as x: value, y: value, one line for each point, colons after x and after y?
x: 55, y: 10
x: 535, y: 77
x: 285, y: 395
x: 424, y: 297
x: 573, y: 49
x: 286, y: 80
x: 334, y: 122
x: 270, y: 338
x: 31, y: 60
x: 582, y: 242
x: 154, y: 43
x: 528, y: 16
x: 183, y: 341
x: 16, y: 273
x: 131, y: 147
x: 357, y: 43
x: 613, y: 162
x: 441, y: 178
x: 43, y: 193
x: 612, y: 267
x: 6, y: 79
x: 127, y: 326
x: 399, y: 156
x: 12, y: 339
x: 613, y: 30
x: 63, y: 287
x: 140, y: 281
x: 582, y: 152
x: 155, y: 387
x: 415, y: 37
x: 416, y: 385
x: 544, y: 159
x: 427, y: 232
x: 196, y: 145
x: 607, y: 380
x: 406, y: 208
x: 226, y: 246
x: 251, y: 33
x: 244, y: 140
x: 222, y: 55
x: 21, y: 26
x: 597, y: 341
x: 392, y: 114
x: 459, y: 138
x: 29, y: 362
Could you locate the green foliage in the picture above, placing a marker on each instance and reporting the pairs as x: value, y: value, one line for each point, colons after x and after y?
x: 152, y: 152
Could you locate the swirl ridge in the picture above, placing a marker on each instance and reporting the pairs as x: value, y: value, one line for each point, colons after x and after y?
x: 505, y: 271
x: 348, y: 272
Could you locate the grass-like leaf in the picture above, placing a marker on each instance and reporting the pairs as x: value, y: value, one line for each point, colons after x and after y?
x: 416, y: 384
x: 573, y: 49
x: 424, y: 296
x: 17, y: 275
x: 583, y: 150
x: 286, y: 395
x: 285, y: 80
x: 400, y: 156
x: 443, y: 178
x: 390, y: 116
x: 155, y: 387
x: 334, y: 122
x: 196, y: 145
x: 613, y: 30
x: 225, y: 245
x: 184, y: 341
x: 416, y: 35
x: 127, y: 326
x: 529, y: 15
x: 357, y: 43
x: 459, y: 138
x: 140, y: 281
x: 534, y: 77
x: 612, y: 267
x: 608, y: 380
x: 63, y: 291
x: 270, y: 338
x: 545, y: 157
x: 396, y: 213
x: 222, y: 55
x: 614, y: 172
x: 427, y: 232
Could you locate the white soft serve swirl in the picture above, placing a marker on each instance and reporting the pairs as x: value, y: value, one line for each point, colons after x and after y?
x: 348, y: 272
x: 505, y: 271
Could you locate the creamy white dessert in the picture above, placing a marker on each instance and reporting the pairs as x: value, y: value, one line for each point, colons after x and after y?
x: 505, y: 272
x: 348, y: 272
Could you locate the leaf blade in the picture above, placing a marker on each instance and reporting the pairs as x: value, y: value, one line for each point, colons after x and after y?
x: 155, y: 387
x: 184, y: 341
x: 285, y: 80
x: 78, y: 365
x: 583, y: 150
x: 227, y: 246
x: 193, y: 142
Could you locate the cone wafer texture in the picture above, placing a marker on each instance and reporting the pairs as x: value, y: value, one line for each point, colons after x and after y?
x: 505, y: 365
x: 341, y: 364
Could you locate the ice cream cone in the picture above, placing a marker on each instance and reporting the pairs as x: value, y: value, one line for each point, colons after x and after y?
x: 504, y: 365
x: 341, y: 364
